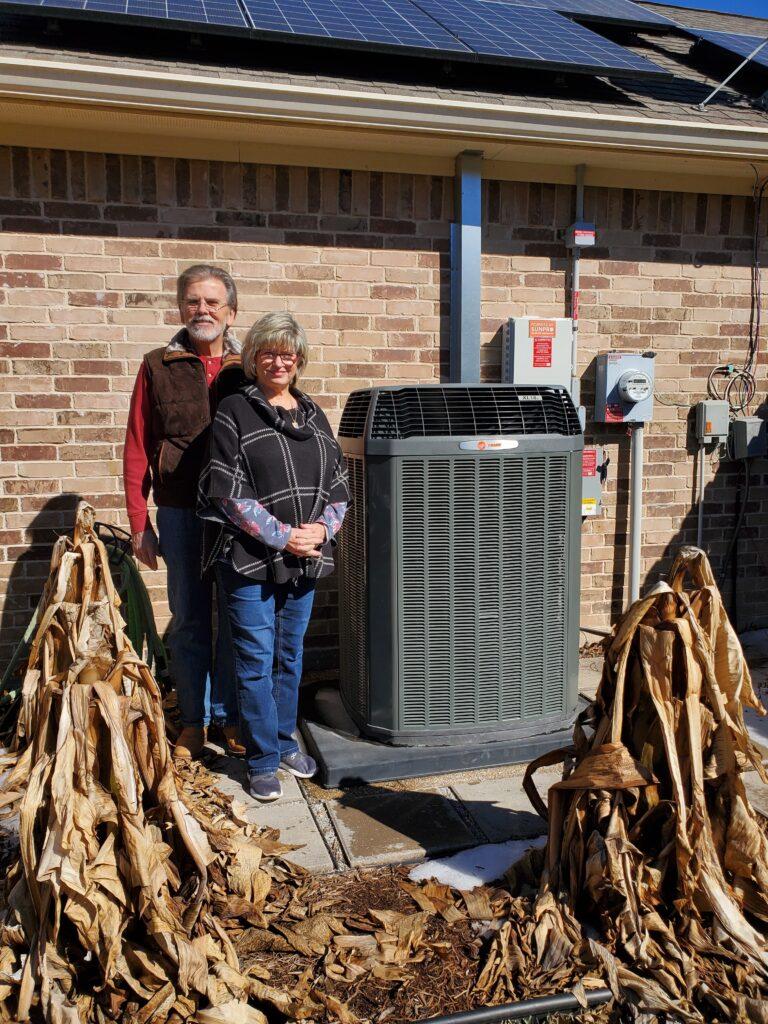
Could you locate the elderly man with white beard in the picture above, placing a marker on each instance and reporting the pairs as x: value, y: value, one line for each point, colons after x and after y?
x: 174, y: 400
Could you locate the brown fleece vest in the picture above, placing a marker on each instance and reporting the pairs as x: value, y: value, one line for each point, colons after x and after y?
x: 183, y: 407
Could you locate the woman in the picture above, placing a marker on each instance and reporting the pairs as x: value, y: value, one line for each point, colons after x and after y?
x: 275, y: 490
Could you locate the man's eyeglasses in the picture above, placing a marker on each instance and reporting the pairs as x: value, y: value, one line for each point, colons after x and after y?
x: 288, y: 358
x: 212, y: 304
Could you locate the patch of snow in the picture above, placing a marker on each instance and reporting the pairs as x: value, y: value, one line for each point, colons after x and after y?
x: 470, y: 868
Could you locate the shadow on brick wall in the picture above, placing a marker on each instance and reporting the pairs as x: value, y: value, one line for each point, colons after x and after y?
x: 30, y: 568
x: 731, y: 540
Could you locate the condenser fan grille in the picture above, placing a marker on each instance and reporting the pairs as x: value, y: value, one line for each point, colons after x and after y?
x: 355, y: 413
x: 470, y: 411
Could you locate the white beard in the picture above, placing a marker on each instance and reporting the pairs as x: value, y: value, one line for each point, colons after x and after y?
x: 204, y: 331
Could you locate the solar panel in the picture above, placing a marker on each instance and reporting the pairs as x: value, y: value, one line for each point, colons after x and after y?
x: 617, y: 12
x: 197, y: 12
x: 534, y: 36
x: 464, y: 29
x: 733, y: 42
x: 379, y: 22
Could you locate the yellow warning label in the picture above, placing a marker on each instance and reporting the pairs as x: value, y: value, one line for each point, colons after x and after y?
x: 589, y: 506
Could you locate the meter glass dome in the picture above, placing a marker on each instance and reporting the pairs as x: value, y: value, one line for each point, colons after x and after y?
x: 634, y: 387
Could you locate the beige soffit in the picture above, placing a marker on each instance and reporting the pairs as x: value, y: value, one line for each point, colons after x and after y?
x: 250, y: 113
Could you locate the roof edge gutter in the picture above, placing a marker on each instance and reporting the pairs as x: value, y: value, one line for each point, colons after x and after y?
x: 209, y: 96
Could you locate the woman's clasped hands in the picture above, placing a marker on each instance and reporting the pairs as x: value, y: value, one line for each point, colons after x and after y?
x: 305, y: 540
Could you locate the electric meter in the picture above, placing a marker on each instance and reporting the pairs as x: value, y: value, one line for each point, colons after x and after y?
x: 634, y: 386
x: 624, y: 387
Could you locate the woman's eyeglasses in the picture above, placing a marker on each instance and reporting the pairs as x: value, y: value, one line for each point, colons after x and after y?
x: 288, y: 358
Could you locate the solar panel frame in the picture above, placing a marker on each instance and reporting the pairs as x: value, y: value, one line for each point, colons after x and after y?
x: 608, y: 12
x: 736, y: 43
x: 534, y: 36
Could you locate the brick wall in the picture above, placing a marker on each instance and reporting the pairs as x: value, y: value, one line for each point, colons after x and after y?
x: 91, y: 245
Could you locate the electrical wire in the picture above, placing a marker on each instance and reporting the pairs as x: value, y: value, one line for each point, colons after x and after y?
x: 664, y: 400
x: 739, y: 389
x: 740, y: 386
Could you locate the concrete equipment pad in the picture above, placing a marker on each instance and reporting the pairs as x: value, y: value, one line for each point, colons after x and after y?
x: 346, y: 759
x: 501, y: 808
x: 378, y: 826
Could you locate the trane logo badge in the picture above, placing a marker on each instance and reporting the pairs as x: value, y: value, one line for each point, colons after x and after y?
x: 530, y: 398
x: 486, y: 444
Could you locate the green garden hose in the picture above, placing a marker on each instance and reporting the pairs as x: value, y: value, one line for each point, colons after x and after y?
x: 136, y: 605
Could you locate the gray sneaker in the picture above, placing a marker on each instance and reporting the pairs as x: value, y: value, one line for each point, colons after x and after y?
x: 264, y: 787
x: 300, y: 765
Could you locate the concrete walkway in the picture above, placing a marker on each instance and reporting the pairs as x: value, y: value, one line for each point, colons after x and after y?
x: 407, y: 820
x: 397, y: 822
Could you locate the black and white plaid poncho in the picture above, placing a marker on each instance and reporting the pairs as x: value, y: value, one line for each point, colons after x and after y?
x: 293, y: 471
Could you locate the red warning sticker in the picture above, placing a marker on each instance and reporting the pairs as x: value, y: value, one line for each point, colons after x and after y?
x: 613, y: 413
x: 589, y: 462
x: 541, y: 328
x: 542, y: 352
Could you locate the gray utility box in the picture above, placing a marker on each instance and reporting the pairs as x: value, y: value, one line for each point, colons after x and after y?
x: 713, y: 421
x: 748, y: 437
x: 460, y: 562
x: 537, y: 350
x: 624, y: 384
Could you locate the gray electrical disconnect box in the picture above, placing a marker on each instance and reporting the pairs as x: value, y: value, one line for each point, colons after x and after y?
x: 624, y: 387
x: 537, y: 351
x: 712, y: 421
x: 592, y: 473
x: 748, y: 437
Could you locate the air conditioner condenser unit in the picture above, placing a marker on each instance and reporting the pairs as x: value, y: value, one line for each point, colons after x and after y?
x: 459, y: 562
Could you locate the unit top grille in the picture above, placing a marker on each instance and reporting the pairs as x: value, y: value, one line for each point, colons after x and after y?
x: 459, y: 411
x: 355, y: 413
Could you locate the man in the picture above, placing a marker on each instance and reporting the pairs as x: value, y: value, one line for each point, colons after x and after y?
x: 173, y: 404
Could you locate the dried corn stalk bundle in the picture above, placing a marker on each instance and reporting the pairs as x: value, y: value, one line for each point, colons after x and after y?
x: 111, y: 909
x: 657, y: 866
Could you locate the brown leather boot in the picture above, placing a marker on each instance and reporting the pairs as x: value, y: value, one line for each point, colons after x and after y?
x: 228, y: 737
x: 190, y: 743
x: 231, y: 740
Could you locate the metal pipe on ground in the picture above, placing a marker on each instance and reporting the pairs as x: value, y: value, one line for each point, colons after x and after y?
x: 541, y: 1006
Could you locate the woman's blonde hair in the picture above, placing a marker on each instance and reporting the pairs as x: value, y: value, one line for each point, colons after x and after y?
x: 276, y: 332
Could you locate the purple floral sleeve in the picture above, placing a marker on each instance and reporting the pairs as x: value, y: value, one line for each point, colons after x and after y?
x: 251, y: 517
x: 333, y: 517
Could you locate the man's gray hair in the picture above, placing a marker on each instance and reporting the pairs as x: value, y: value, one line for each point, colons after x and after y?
x: 278, y: 332
x: 202, y: 272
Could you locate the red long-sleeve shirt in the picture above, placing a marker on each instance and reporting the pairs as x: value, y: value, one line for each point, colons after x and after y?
x: 140, y: 444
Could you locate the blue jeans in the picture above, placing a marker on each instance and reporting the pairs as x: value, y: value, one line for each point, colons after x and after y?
x: 268, y: 623
x: 205, y: 686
